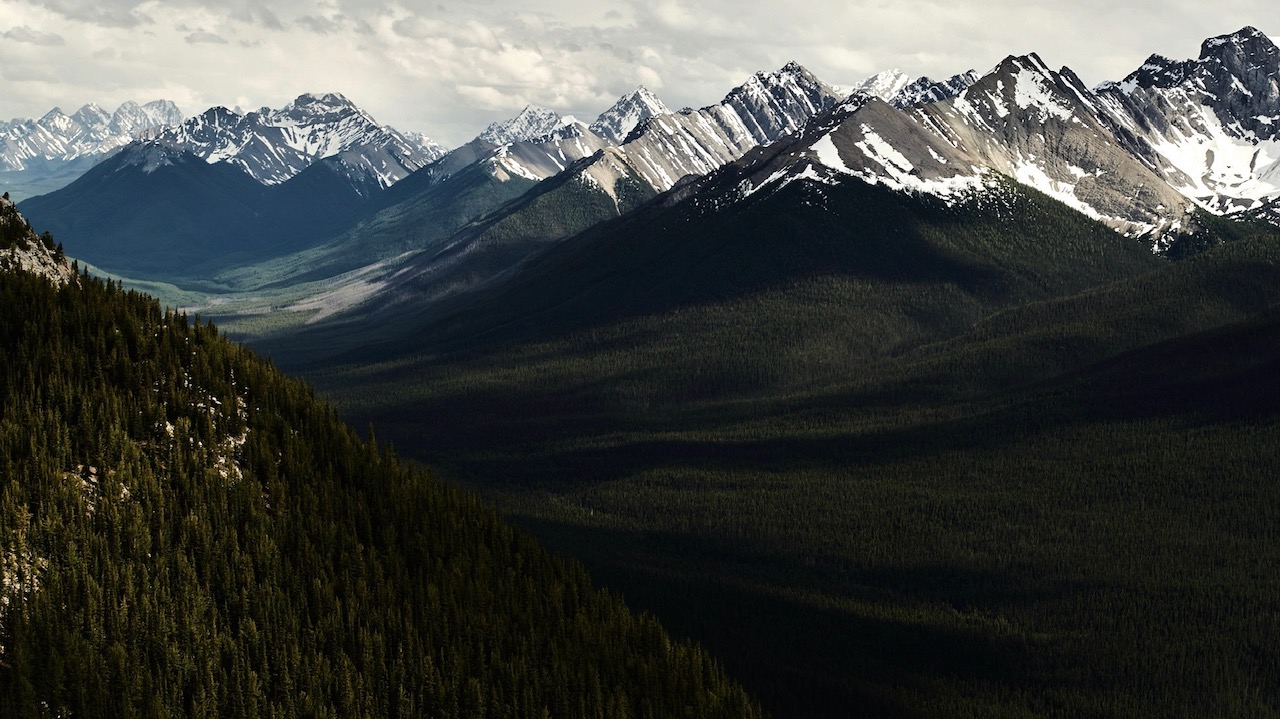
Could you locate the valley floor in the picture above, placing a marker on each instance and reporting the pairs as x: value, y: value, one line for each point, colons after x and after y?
x: 917, y: 540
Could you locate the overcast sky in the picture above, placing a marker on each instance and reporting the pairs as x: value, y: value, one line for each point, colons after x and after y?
x: 448, y: 69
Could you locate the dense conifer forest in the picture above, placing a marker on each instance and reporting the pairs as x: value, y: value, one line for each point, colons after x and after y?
x: 184, y: 531
x: 890, y: 459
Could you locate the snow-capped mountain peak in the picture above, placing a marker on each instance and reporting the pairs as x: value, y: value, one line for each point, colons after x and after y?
x: 132, y: 119
x: 1248, y: 42
x: 885, y: 85
x: 309, y: 108
x: 40, y: 147
x: 618, y: 122
x: 430, y: 147
x: 273, y: 146
x: 57, y: 121
x: 924, y: 91
x: 532, y: 122
x: 1211, y: 126
x: 91, y: 116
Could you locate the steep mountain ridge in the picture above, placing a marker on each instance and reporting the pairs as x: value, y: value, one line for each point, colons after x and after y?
x: 1210, y: 127
x: 924, y: 91
x: 662, y: 147
x: 618, y: 122
x: 272, y: 146
x: 529, y: 123
x: 90, y: 131
x: 886, y: 85
x: 1042, y: 128
x: 1021, y: 120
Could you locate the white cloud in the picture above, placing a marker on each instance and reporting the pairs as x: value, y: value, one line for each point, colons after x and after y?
x: 320, y: 25
x: 489, y: 98
x: 110, y: 13
x: 22, y: 33
x: 204, y: 36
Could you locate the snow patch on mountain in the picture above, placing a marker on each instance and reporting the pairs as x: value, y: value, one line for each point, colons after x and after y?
x: 1207, y: 126
x: 1030, y: 91
x: 898, y: 172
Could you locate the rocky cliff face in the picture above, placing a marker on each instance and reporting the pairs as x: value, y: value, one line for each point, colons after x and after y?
x: 21, y: 250
x: 1211, y: 126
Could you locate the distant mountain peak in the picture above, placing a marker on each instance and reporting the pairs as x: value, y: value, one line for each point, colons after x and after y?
x: 1017, y: 63
x: 314, y: 101
x: 924, y: 91
x: 1157, y: 71
x: 53, y: 117
x: 1249, y: 39
x: 642, y: 92
x: 788, y: 84
x: 532, y: 122
x: 886, y: 84
x: 794, y: 68
x: 273, y: 146
x: 632, y: 109
x: 91, y: 115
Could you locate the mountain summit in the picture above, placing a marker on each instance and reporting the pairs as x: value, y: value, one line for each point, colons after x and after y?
x: 1211, y: 126
x: 532, y: 122
x: 618, y: 122
x: 273, y: 146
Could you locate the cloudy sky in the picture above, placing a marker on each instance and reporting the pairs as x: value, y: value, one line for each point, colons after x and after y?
x: 448, y: 68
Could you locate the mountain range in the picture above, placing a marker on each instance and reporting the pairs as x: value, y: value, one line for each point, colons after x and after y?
x: 912, y: 412
x: 911, y: 399
x: 1022, y: 121
x: 39, y: 156
x: 1143, y: 155
x: 272, y: 146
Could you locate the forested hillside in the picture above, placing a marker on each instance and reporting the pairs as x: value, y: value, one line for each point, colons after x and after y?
x: 184, y: 531
x: 888, y: 458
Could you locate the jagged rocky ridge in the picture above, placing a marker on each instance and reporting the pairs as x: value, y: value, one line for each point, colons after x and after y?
x: 1021, y: 121
x: 1210, y: 127
x: 923, y: 91
x: 662, y: 148
x: 1139, y: 155
x: 90, y: 131
x: 530, y: 123
x: 273, y: 146
x: 40, y: 156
